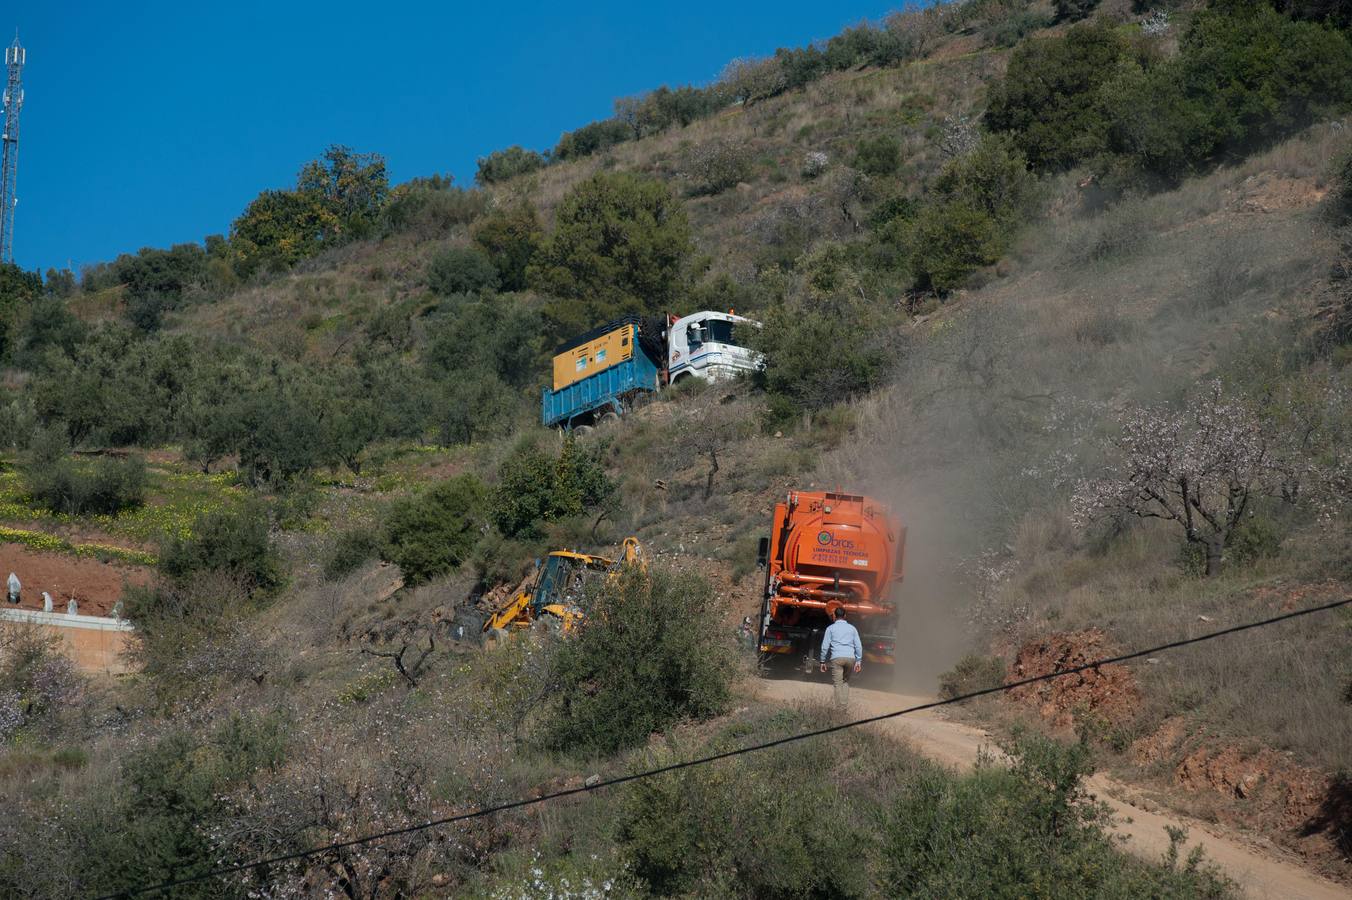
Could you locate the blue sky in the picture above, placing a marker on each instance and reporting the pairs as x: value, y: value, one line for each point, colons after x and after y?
x: 152, y: 123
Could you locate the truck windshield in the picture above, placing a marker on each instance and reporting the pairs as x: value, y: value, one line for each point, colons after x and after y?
x: 719, y: 333
x: 714, y: 331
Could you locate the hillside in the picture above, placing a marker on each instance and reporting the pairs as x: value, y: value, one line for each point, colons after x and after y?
x: 1064, y: 286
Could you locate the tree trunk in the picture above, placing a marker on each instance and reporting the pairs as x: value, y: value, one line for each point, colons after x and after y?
x: 1214, y: 549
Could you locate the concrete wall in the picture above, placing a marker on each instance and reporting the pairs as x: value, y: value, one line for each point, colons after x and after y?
x: 93, y: 643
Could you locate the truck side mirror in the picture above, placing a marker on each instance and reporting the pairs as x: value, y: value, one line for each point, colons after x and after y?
x: 763, y: 553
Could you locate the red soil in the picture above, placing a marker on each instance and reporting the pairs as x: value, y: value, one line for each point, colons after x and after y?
x: 1109, y: 692
x: 95, y: 585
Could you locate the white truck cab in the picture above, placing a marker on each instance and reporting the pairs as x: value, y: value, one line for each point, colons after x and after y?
x: 707, y: 345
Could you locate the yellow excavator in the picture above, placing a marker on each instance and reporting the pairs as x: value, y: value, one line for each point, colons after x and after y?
x: 560, y: 586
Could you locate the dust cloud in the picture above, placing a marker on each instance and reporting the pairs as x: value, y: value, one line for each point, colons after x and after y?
x: 1005, y: 399
x: 932, y: 630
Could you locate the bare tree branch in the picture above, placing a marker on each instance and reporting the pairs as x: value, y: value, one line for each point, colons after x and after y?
x: 1200, y: 466
x: 410, y: 672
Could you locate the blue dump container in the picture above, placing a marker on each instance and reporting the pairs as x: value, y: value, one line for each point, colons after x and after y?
x: 584, y: 401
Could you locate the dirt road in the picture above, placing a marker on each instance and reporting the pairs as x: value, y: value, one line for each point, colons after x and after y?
x: 1260, y: 874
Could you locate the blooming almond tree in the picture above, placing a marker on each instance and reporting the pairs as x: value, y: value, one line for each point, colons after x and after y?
x: 1198, y: 467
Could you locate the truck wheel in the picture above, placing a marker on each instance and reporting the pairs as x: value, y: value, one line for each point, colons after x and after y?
x: 582, y: 430
x: 609, y: 418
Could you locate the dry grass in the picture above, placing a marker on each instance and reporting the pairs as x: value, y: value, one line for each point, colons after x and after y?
x: 1272, y: 686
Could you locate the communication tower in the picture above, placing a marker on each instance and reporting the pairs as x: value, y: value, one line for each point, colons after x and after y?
x: 15, y: 57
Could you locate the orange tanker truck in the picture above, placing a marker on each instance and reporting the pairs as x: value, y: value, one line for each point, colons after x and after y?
x: 828, y: 550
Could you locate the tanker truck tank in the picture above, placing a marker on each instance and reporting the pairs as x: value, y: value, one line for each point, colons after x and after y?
x: 825, y: 551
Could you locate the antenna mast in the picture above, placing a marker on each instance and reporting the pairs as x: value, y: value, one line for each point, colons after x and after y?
x: 15, y: 56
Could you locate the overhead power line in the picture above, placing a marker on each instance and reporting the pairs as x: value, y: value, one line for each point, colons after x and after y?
x: 728, y: 754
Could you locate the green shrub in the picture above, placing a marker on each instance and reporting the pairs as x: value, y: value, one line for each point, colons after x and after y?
x: 283, y: 428
x: 1333, y: 12
x: 158, y: 826
x: 152, y: 272
x: 461, y: 270
x: 1254, y: 538
x: 799, y: 377
x: 535, y: 488
x: 104, y: 486
x: 38, y: 678
x: 50, y: 325
x: 824, y: 306
x: 972, y: 215
x: 501, y: 165
x: 17, y: 286
x: 999, y: 832
x: 430, y: 207
x: 146, y: 313
x: 234, y: 542
x: 1048, y: 97
x: 652, y: 651
x: 47, y: 446
x: 952, y: 240
x: 717, y: 166
x: 473, y: 406
x: 666, y: 107
x: 972, y: 673
x: 352, y: 186
x: 498, y: 336
x: 1261, y: 76
x: 880, y: 155
x: 499, y: 560
x: 510, y: 236
x: 349, y: 550
x: 185, y: 625
x: 1074, y: 10
x: 993, y: 176
x: 591, y: 138
x: 280, y: 228
x: 1244, y: 76
x: 1008, y: 30
x: 435, y: 532
x: 620, y: 244
x: 771, y: 824
x: 749, y: 828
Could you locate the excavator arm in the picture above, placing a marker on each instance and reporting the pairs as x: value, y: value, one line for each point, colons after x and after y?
x: 516, y: 612
x: 633, y: 553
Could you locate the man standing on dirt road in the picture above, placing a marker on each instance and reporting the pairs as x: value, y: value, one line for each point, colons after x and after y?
x: 844, y: 653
